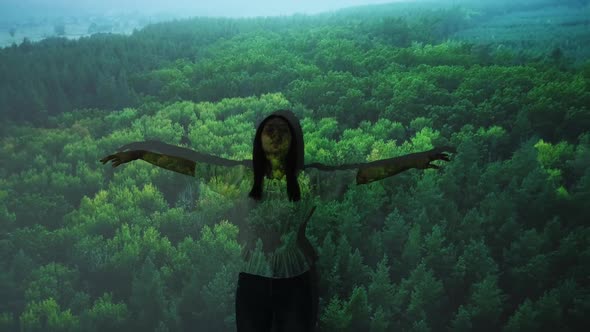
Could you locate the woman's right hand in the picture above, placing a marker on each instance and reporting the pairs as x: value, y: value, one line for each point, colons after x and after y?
x: 122, y: 157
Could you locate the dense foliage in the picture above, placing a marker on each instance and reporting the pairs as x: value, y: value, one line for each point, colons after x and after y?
x: 496, y: 240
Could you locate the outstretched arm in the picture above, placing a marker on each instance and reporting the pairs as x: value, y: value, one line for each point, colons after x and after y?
x: 184, y: 153
x: 381, y: 169
x: 172, y: 163
x: 171, y: 157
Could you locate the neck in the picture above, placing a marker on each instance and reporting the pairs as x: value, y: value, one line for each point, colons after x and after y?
x: 277, y: 163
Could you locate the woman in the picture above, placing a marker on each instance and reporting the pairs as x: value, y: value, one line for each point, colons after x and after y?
x: 278, y: 283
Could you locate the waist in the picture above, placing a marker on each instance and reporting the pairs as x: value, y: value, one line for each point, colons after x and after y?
x: 281, y: 263
x: 258, y: 278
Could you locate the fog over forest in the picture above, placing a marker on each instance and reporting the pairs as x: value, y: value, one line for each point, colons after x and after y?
x: 184, y: 7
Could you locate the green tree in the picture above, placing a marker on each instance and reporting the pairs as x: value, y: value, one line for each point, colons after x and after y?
x: 472, y: 266
x: 7, y: 218
x: 421, y: 298
x: 356, y: 273
x: 105, y: 315
x: 412, y: 252
x: 379, y: 321
x: 328, y: 262
x: 147, y: 301
x: 126, y: 253
x: 218, y: 298
x: 46, y: 315
x: 7, y: 322
x: 462, y: 321
x: 524, y: 319
x: 54, y: 281
x: 335, y: 316
x: 395, y: 234
x: 381, y: 289
x: 359, y: 310
x: 486, y: 303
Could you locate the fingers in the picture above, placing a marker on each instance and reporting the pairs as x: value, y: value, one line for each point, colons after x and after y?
x: 440, y: 156
x: 114, y: 158
x: 107, y: 158
x: 443, y: 156
x: 433, y: 166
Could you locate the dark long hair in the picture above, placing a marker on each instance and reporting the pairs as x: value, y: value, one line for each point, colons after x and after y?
x: 293, y: 162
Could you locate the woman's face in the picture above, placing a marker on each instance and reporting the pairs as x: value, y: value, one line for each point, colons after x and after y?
x: 276, y: 137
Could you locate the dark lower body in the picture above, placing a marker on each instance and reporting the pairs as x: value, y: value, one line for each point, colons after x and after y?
x: 277, y: 305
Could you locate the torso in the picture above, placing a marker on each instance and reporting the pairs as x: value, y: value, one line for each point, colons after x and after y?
x: 268, y: 233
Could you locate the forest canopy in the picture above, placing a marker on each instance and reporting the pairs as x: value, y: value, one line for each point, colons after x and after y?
x: 497, y: 240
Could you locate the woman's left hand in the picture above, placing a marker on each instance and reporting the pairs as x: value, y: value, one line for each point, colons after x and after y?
x: 424, y: 159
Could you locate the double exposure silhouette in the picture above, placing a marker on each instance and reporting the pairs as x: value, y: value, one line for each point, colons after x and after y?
x: 277, y: 288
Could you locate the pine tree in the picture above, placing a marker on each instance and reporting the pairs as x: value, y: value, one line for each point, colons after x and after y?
x: 381, y: 290
x: 359, y: 310
x: 335, y: 316
x: 147, y: 300
x: 379, y: 321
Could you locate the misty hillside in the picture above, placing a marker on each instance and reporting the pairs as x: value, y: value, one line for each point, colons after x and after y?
x: 497, y: 239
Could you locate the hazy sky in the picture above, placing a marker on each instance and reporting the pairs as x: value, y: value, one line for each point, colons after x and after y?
x: 188, y: 7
